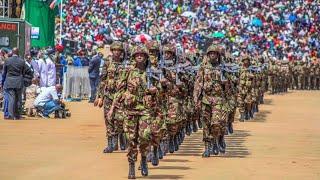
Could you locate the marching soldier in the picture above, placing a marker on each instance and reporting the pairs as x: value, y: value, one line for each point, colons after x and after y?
x: 110, y: 75
x: 209, y: 96
x: 139, y: 103
x: 245, y: 90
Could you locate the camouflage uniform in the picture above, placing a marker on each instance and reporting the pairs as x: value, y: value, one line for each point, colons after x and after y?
x: 273, y: 77
x: 140, y: 108
x: 317, y: 77
x: 300, y: 73
x: 208, y: 92
x: 175, y: 95
x: 295, y: 73
x: 159, y: 117
x: 110, y: 75
x: 312, y: 77
x: 245, y: 91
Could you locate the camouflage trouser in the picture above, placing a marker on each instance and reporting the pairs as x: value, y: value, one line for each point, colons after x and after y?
x: 114, y: 125
x: 272, y: 83
x: 175, y: 117
x: 301, y: 82
x: 231, y: 115
x: 317, y: 83
x: 295, y: 82
x: 244, y: 101
x: 141, y: 131
x: 214, y: 122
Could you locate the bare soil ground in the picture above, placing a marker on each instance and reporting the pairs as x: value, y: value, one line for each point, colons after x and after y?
x: 282, y: 142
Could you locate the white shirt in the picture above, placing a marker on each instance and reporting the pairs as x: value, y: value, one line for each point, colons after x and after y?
x: 47, y: 94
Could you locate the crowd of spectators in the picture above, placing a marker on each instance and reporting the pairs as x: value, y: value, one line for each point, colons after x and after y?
x: 281, y: 29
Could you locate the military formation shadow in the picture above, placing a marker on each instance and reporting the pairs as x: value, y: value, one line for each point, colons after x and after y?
x: 261, y: 116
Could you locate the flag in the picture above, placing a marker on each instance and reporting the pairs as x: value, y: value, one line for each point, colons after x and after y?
x: 54, y: 3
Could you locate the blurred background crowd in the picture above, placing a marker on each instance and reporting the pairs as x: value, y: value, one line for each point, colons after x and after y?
x: 281, y: 29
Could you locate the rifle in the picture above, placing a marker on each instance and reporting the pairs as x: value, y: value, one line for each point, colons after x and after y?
x: 254, y: 69
x: 152, y: 75
x: 125, y: 58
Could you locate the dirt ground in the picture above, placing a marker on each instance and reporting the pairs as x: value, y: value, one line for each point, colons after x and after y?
x: 282, y: 142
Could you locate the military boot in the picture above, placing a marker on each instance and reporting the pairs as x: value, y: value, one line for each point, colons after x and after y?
x: 188, y: 130
x: 206, y: 152
x: 115, y: 143
x: 247, y: 115
x: 166, y: 147
x: 123, y: 141
x: 155, y: 157
x: 215, y: 147
x: 132, y: 173
x: 262, y: 100
x: 144, y: 166
x: 222, y: 145
x: 226, y: 132
x: 171, y: 144
x: 160, y: 151
x: 251, y: 112
x: 230, y: 127
x: 242, y: 117
x: 254, y: 108
x: 183, y: 134
x: 176, y: 143
x: 199, y: 124
x: 109, y: 148
x: 194, y: 126
x: 149, y: 156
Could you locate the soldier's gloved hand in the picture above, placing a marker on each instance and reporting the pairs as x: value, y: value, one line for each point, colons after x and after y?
x: 100, y: 102
x: 96, y: 102
x: 152, y: 90
x: 164, y: 82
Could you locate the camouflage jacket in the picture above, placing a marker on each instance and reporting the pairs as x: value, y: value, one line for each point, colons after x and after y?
x: 110, y: 75
x: 208, y: 85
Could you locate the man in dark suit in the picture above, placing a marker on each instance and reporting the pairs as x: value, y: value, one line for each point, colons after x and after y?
x: 15, y: 71
x: 94, y: 73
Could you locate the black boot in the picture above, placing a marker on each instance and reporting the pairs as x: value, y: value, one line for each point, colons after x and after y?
x: 206, y: 152
x: 188, y: 129
x: 222, y: 145
x: 149, y: 156
x: 144, y: 166
x: 251, y: 114
x: 183, y: 135
x: 242, y: 117
x: 230, y: 127
x: 115, y: 143
x: 194, y: 126
x: 171, y: 144
x: 123, y: 142
x: 262, y: 100
x: 215, y: 147
x: 109, y: 148
x: 132, y: 173
x: 257, y: 108
x: 226, y: 132
x: 247, y: 116
x: 155, y: 157
x: 160, y: 151
x: 199, y: 124
x: 166, y: 147
x: 176, y: 143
